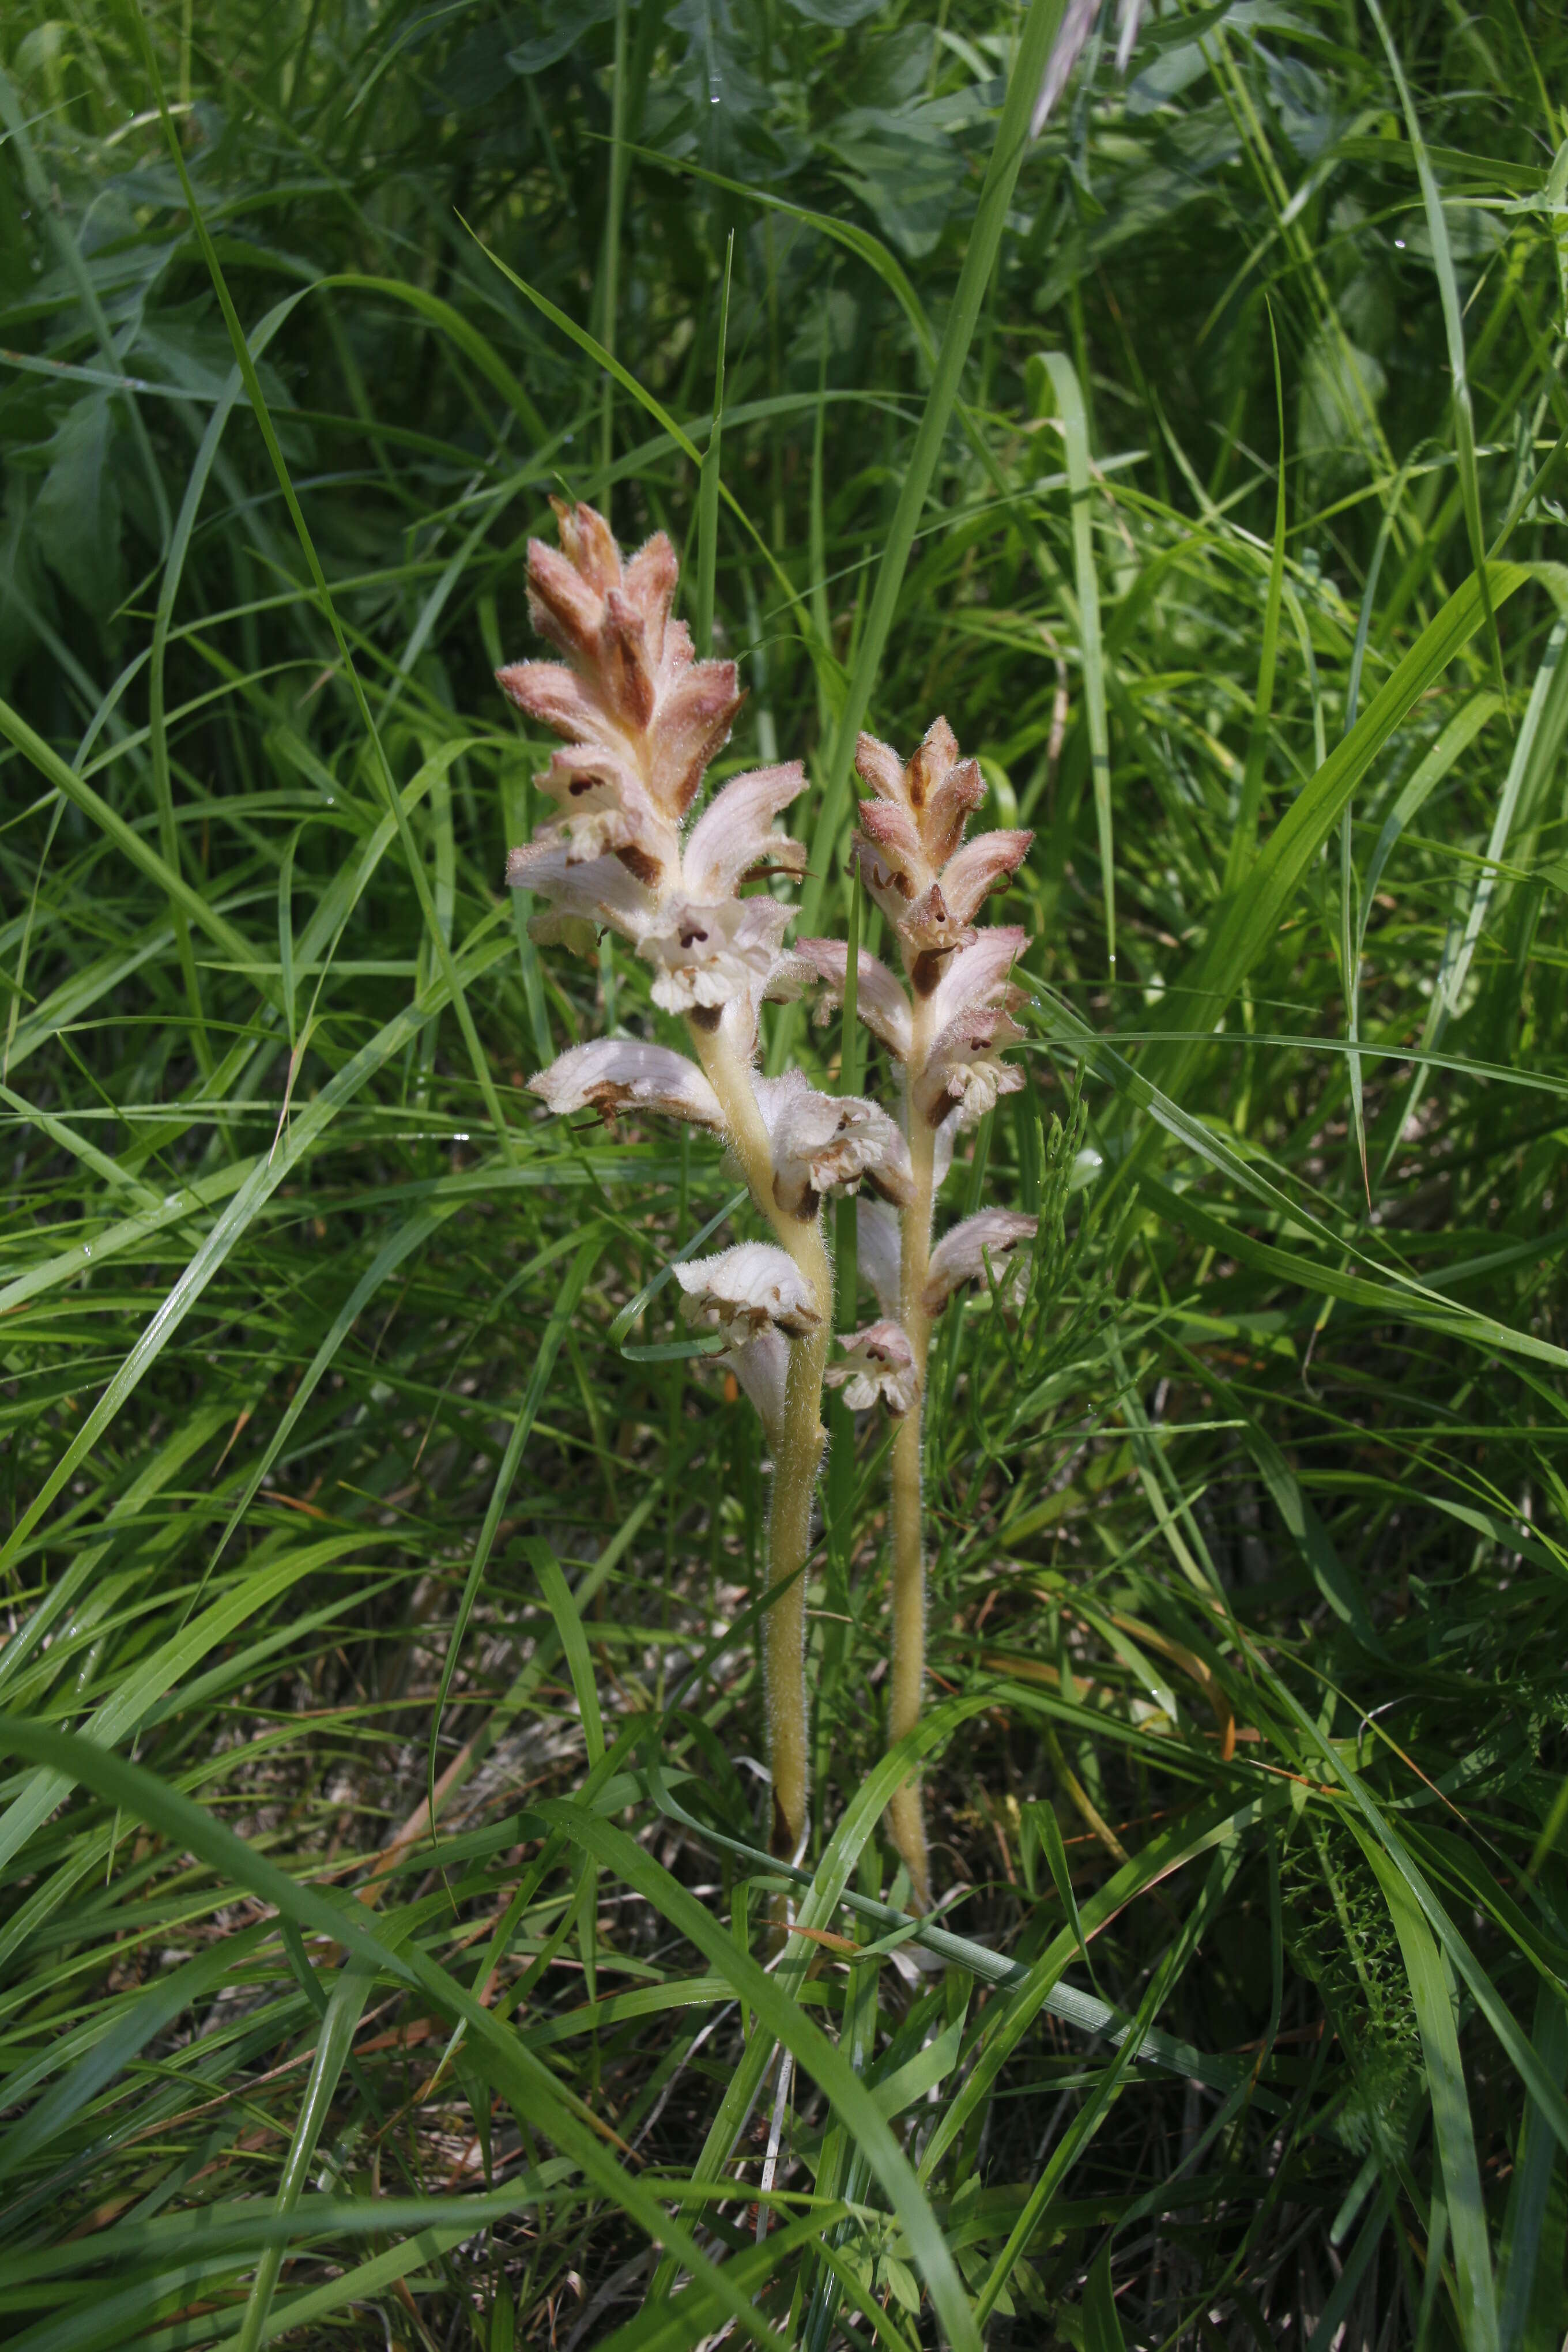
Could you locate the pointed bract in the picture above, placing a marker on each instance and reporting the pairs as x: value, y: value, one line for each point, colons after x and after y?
x: 982, y: 865
x: 879, y: 1249
x: 761, y: 1368
x: 734, y: 833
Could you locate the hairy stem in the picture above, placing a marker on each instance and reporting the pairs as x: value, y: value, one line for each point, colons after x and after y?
x: 905, y: 1814
x: 797, y: 1446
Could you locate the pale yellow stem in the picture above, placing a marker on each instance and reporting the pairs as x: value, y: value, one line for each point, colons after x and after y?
x: 906, y: 1817
x: 797, y: 1446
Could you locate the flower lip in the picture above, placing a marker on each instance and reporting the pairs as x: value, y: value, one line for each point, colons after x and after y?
x: 878, y: 1366
x: 965, y: 1076
x: 743, y: 1290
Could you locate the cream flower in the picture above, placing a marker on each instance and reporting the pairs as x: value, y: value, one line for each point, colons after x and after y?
x: 964, y: 1075
x: 617, y: 1074
x: 964, y: 1252
x: 825, y: 1143
x: 745, y: 1290
x: 878, y: 1367
x: 708, y: 956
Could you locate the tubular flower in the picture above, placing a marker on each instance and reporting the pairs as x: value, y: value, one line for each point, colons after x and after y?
x: 825, y: 1143
x: 966, y: 1250
x: 616, y: 1073
x: 745, y: 1290
x: 878, y: 1366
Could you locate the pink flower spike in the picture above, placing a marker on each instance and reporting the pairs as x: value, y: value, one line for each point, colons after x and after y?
x: 878, y: 1367
x: 616, y: 1073
x: 745, y: 1290
x: 734, y: 833
x: 879, y: 1001
x: 963, y: 1253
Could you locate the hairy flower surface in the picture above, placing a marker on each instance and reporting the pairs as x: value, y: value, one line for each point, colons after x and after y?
x: 878, y: 1367
x: 643, y: 720
x: 909, y: 847
x: 743, y: 1290
x: 964, y: 1073
x: 616, y: 1073
x: 826, y: 1143
x: 965, y: 1250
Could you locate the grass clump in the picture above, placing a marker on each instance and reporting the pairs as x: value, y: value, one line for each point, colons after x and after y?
x: 388, y: 1938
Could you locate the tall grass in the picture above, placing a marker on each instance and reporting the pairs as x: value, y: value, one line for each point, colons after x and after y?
x: 384, y: 1952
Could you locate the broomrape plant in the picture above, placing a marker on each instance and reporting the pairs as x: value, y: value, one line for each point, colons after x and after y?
x: 643, y: 720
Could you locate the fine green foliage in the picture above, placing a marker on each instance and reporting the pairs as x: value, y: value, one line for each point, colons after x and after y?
x: 388, y: 1943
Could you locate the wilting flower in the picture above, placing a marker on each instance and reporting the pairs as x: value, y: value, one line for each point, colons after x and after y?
x: 966, y: 1250
x: 878, y: 1366
x: 825, y: 1143
x: 616, y: 1073
x: 1071, y: 42
x: 743, y: 1290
